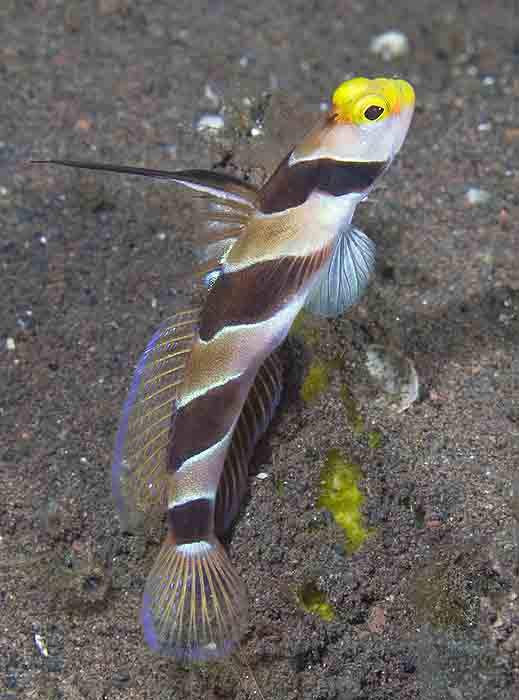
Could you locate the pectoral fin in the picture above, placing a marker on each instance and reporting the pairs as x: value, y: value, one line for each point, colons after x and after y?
x: 346, y: 275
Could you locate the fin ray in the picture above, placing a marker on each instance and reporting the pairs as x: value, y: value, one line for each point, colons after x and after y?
x: 229, y: 204
x: 257, y: 412
x: 140, y: 454
x: 194, y: 606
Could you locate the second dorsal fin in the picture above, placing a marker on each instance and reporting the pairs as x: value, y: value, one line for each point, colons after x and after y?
x: 139, y: 467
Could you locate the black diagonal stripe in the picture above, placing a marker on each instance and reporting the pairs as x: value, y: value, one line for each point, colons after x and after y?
x: 192, y: 521
x: 291, y: 186
x: 257, y: 292
x: 204, y: 421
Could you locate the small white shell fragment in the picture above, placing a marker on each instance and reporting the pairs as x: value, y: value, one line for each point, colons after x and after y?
x: 210, y: 121
x: 10, y: 344
x: 211, y: 95
x: 262, y: 476
x: 395, y: 376
x: 390, y: 45
x: 41, y: 645
x: 475, y: 196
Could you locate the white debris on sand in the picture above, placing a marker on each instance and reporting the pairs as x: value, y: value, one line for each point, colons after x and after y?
x: 390, y: 45
x: 210, y: 121
x: 395, y: 376
x: 41, y: 645
x: 211, y: 96
x: 476, y: 196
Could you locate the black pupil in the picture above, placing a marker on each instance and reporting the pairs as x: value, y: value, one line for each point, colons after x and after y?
x: 373, y: 112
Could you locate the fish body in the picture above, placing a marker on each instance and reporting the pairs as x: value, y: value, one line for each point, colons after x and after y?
x: 209, y: 380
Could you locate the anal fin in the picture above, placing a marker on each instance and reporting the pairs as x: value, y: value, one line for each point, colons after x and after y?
x: 257, y: 412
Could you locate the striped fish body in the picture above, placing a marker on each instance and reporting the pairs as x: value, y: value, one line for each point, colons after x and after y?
x: 250, y: 307
x: 209, y: 380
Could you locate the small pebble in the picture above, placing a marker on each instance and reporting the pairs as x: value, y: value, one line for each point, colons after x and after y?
x: 83, y: 124
x: 26, y: 321
x: 504, y: 218
x: 377, y: 619
x: 511, y: 135
x: 108, y: 7
x: 72, y: 16
x: 120, y: 679
x: 390, y: 45
x: 485, y: 126
x: 10, y: 344
x: 210, y: 121
x: 489, y: 80
x: 262, y: 475
x: 4, y: 191
x: 211, y: 95
x: 476, y: 196
x: 395, y: 375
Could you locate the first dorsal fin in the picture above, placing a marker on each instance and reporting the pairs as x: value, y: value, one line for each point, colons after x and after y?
x: 230, y: 202
x: 206, y: 182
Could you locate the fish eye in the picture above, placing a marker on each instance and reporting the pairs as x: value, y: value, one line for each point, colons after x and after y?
x: 373, y: 112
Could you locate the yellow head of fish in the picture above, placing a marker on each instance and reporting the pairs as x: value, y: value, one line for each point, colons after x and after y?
x: 368, y: 121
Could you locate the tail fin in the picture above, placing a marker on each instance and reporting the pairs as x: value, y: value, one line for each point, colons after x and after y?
x: 195, y: 606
